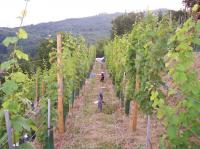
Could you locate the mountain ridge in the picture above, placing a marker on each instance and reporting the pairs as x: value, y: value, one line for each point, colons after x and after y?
x: 93, y: 28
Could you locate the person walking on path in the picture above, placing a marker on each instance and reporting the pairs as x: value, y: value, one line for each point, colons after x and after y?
x: 100, y: 101
x: 102, y: 77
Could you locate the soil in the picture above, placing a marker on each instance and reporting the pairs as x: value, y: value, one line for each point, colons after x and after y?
x: 86, y: 128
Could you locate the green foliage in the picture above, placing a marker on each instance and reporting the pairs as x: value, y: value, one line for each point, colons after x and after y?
x: 123, y: 24
x: 77, y: 60
x: 10, y: 40
x: 26, y: 146
x: 184, y: 76
x: 18, y: 95
x: 149, y: 51
x: 139, y: 53
x: 44, y: 53
x: 9, y: 87
x: 100, y: 48
x: 15, y: 88
x: 8, y: 64
x: 20, y: 55
x: 19, y: 77
x: 115, y: 60
x: 22, y: 34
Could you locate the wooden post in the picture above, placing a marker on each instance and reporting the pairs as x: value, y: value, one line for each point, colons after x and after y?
x: 135, y: 105
x: 60, y: 85
x: 43, y: 88
x: 9, y: 130
x: 49, y: 117
x: 14, y: 137
x: 134, y: 119
x: 148, y: 139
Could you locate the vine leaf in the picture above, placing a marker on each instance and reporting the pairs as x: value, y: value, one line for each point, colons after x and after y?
x: 8, y: 64
x: 19, y: 77
x: 21, y: 55
x: 19, y: 123
x: 180, y: 77
x: 13, y: 106
x: 9, y: 87
x: 195, y: 8
x: 171, y: 131
x: 197, y: 27
x: 22, y: 34
x: 196, y: 41
x: 26, y: 146
x: 10, y: 40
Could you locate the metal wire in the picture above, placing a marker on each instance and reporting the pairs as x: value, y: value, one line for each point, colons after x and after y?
x: 3, y: 144
x: 37, y: 130
x: 4, y: 138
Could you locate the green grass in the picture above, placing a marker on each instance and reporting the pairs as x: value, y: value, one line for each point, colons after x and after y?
x: 108, y: 119
x: 108, y: 145
x: 88, y: 110
x: 108, y: 109
x: 76, y: 130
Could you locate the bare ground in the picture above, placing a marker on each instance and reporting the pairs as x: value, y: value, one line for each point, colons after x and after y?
x: 86, y: 128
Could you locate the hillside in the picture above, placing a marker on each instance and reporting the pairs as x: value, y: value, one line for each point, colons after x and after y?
x: 92, y: 28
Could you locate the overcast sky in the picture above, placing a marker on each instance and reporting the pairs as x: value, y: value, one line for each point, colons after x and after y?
x: 54, y: 10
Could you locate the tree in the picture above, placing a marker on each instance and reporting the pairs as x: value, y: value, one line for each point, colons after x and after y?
x: 124, y: 23
x: 179, y: 16
x: 190, y: 4
x: 43, y: 51
x: 100, y: 48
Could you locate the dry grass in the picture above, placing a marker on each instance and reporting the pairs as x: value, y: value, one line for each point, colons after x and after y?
x: 110, y: 129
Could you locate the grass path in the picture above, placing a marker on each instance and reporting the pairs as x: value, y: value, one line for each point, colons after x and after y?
x: 86, y: 128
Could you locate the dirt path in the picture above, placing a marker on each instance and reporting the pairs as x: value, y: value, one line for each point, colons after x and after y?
x: 86, y: 128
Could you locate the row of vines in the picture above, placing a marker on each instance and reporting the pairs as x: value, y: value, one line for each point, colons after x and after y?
x: 25, y: 95
x: 154, y: 64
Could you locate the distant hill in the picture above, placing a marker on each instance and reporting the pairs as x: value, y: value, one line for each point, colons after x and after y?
x: 92, y: 28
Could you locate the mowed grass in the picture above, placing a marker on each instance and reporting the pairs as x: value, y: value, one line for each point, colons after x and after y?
x: 108, y: 145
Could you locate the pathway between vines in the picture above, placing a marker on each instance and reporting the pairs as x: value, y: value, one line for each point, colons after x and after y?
x: 86, y: 128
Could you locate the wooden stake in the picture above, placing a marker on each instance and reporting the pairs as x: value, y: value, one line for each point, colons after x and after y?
x: 134, y: 119
x: 14, y: 137
x: 135, y: 105
x: 60, y: 85
x: 43, y: 88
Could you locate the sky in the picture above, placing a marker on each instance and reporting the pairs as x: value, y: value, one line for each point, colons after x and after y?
x: 39, y: 11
